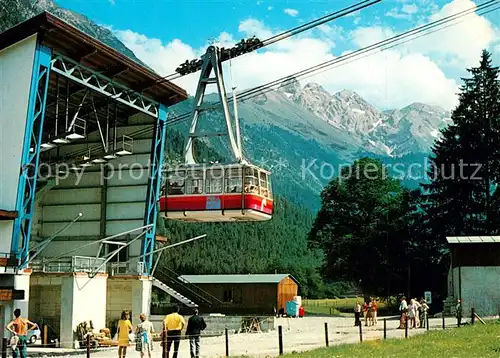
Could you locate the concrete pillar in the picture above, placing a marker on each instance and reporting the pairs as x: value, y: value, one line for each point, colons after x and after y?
x: 141, y: 297
x: 22, y: 282
x: 82, y: 299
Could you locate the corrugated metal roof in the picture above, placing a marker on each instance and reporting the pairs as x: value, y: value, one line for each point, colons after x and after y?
x: 472, y: 239
x: 264, y: 278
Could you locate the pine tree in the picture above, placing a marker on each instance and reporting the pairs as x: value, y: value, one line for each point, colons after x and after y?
x: 465, y: 167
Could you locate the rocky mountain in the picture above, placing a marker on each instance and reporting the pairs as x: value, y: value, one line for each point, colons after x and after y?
x: 394, y: 133
x: 303, y: 134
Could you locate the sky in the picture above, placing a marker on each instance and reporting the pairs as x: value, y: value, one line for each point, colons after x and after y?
x: 165, y: 33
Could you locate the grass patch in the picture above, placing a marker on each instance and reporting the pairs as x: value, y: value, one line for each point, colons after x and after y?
x: 468, y: 341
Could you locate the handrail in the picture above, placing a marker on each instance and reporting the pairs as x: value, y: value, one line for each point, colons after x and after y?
x: 175, y: 282
x: 187, y: 284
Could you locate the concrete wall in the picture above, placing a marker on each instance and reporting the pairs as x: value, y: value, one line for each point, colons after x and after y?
x: 480, y: 289
x: 45, y: 300
x: 16, y: 67
x: 131, y: 294
x: 111, y: 203
x: 82, y: 299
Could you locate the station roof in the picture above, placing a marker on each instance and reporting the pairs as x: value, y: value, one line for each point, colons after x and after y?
x: 67, y: 40
x: 258, y: 278
x: 472, y: 239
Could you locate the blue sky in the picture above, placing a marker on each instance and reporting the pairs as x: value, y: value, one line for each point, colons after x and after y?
x: 165, y: 33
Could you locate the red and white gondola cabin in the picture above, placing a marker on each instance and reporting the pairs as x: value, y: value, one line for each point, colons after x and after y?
x: 215, y: 193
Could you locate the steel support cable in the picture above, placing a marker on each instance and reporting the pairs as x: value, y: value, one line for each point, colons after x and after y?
x: 333, y: 16
x: 296, y: 30
x: 379, y: 45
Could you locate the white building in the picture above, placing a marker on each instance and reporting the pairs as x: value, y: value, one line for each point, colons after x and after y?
x: 475, y: 273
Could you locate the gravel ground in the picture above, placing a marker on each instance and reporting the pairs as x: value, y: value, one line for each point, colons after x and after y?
x: 299, y: 334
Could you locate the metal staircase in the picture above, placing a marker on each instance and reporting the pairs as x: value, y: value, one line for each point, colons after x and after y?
x: 173, y: 293
x: 186, y: 288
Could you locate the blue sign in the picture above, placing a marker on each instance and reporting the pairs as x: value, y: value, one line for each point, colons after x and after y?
x: 213, y: 203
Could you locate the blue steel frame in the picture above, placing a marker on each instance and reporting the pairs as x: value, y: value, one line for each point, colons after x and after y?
x: 26, y: 188
x: 154, y: 186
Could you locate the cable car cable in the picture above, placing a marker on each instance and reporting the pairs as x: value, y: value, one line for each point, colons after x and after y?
x: 273, y: 39
x: 245, y: 95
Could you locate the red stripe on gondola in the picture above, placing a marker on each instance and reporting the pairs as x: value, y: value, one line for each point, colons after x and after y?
x: 227, y: 202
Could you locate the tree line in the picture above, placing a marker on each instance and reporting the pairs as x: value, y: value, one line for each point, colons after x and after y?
x: 392, y: 240
x: 371, y: 231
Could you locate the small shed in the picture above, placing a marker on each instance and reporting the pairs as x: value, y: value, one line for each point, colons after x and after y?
x: 261, y: 293
x: 474, y: 275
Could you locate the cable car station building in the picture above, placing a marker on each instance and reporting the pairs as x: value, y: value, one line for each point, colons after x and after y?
x: 82, y: 138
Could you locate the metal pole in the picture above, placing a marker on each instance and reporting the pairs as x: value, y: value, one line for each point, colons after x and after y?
x: 406, y: 327
x: 114, y: 253
x: 97, y: 242
x: 156, y: 263
x: 164, y: 343
x: 473, y: 315
x: 326, y: 333
x: 427, y: 320
x: 42, y: 245
x: 4, y: 347
x: 443, y: 319
x: 360, y: 332
x: 280, y: 339
x: 385, y: 328
x: 88, y: 345
x: 227, y: 344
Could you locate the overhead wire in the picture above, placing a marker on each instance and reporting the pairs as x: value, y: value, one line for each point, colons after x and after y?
x: 259, y: 90
x: 294, y: 31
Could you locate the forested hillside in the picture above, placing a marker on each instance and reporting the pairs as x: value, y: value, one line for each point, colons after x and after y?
x: 230, y: 248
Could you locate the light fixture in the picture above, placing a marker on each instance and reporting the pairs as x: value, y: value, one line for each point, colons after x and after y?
x: 110, y: 156
x: 85, y: 164
x: 125, y: 146
x: 60, y: 140
x: 78, y: 130
x: 99, y: 161
x: 47, y: 146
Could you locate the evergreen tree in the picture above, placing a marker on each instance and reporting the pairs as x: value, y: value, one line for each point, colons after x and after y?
x: 465, y: 167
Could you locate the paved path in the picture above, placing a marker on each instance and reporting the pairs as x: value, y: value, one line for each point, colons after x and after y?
x: 299, y: 334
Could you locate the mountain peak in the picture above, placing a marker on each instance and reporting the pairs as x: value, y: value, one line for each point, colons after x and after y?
x: 290, y: 85
x: 345, y: 93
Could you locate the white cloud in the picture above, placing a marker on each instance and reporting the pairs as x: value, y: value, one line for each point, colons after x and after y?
x: 409, y: 9
x: 396, y: 14
x: 291, y: 12
x: 390, y: 79
x: 459, y: 45
x: 269, y: 8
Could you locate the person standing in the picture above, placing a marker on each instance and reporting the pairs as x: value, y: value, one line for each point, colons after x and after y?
x: 459, y: 312
x: 195, y: 325
x: 19, y: 327
x: 124, y: 329
x: 173, y: 324
x: 144, y: 339
x: 424, y: 310
x: 357, y: 314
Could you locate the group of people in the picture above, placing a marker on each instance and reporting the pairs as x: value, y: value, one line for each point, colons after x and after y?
x: 414, y: 313
x: 369, y: 310
x: 173, y: 324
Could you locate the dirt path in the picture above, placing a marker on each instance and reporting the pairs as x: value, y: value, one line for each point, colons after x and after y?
x: 300, y: 334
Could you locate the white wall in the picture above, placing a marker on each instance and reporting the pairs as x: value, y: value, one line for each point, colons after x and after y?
x: 16, y: 67
x: 125, y: 195
x: 480, y: 289
x: 82, y: 299
x: 128, y: 294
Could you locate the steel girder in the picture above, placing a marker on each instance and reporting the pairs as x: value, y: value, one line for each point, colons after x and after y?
x: 104, y: 85
x: 154, y: 186
x: 31, y: 153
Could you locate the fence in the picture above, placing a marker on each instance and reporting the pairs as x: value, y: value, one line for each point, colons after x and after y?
x: 285, y: 339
